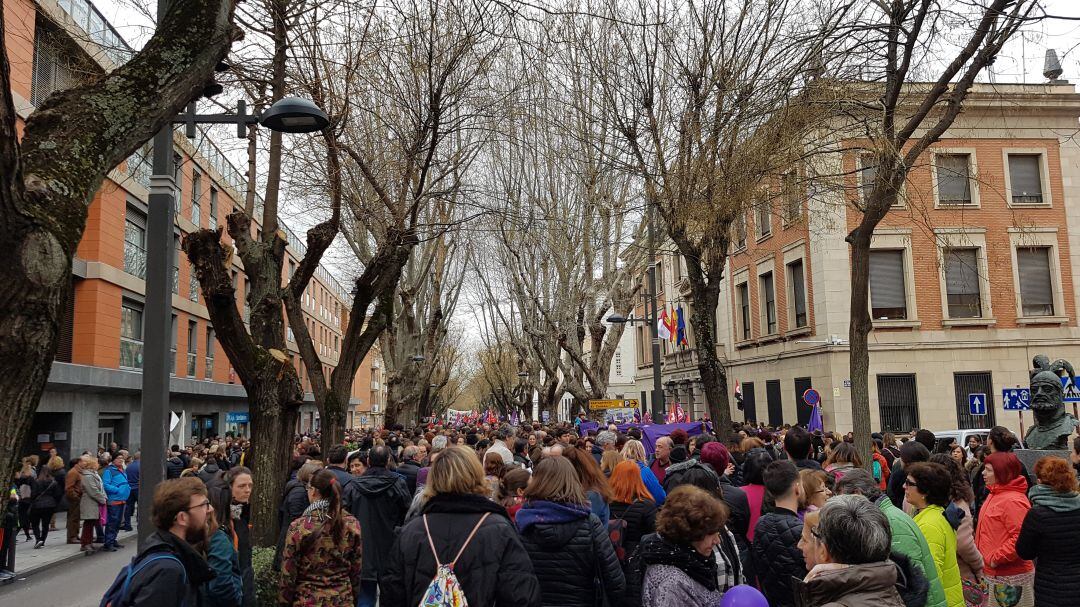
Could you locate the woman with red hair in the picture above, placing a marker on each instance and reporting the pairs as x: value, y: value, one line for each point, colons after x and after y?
x: 1051, y: 533
x: 1008, y: 575
x: 631, y: 502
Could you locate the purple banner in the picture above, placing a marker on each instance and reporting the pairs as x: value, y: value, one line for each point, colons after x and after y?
x: 649, y: 432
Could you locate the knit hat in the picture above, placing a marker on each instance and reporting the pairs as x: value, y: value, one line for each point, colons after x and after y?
x: 1006, y: 466
x: 716, y: 455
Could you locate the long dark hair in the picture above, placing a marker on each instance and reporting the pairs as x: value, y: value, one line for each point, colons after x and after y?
x: 960, y: 488
x: 325, y: 484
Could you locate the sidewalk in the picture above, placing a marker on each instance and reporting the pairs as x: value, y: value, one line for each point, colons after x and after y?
x: 56, y: 550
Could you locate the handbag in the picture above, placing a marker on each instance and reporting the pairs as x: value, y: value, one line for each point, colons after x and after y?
x: 975, y: 592
x: 102, y: 514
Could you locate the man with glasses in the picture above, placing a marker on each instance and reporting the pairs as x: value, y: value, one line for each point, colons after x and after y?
x: 169, y: 570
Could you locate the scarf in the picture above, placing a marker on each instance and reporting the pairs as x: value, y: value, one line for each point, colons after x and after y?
x: 317, y: 505
x: 728, y: 567
x: 1043, y: 495
x: 537, y: 512
x: 236, y: 510
x: 655, y: 550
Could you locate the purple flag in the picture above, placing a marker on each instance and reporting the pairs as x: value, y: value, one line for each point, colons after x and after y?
x: 815, y: 420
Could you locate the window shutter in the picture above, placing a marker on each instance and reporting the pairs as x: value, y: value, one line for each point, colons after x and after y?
x: 961, y: 272
x: 952, y: 178
x: 1036, y: 290
x: 1025, y: 177
x: 798, y: 290
x: 887, y: 280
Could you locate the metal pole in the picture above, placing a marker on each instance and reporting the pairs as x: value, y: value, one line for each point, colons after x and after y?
x: 157, y: 321
x: 658, y: 405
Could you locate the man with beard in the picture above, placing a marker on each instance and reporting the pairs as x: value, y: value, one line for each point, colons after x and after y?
x: 1052, y: 424
x: 168, y: 571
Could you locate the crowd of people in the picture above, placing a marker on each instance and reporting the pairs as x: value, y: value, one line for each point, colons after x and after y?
x: 536, y: 515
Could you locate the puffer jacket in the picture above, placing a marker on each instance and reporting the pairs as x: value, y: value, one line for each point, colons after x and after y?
x: 379, y: 500
x: 174, y: 466
x: 292, y: 507
x: 776, y: 556
x: 941, y: 538
x: 967, y: 553
x: 835, y: 585
x: 116, y: 484
x: 911, y: 584
x: 1000, y: 520
x: 1051, y: 533
x: 226, y: 588
x: 570, y: 550
x: 640, y: 520
x: 47, y: 494
x: 494, y: 570
x: 738, y: 512
x: 908, y: 540
x: 692, y: 472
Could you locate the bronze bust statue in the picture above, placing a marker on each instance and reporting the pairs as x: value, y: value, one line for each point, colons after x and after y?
x: 1053, y: 425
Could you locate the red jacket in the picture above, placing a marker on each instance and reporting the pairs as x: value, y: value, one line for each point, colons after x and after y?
x: 880, y: 459
x: 1000, y: 520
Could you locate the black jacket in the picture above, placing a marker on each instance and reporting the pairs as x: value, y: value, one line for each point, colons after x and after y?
x: 292, y: 506
x: 160, y: 584
x: 343, y: 477
x: 408, y: 469
x: 692, y: 472
x: 494, y: 570
x: 47, y: 494
x: 776, y: 556
x: 911, y: 582
x: 173, y: 467
x: 806, y: 464
x: 208, y: 473
x: 569, y: 558
x: 640, y: 520
x: 738, y: 514
x: 379, y: 500
x: 1052, y: 537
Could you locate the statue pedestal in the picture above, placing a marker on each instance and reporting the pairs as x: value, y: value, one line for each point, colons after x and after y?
x: 1028, y: 457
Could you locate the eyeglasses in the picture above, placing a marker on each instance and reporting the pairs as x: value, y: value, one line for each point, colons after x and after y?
x: 910, y: 483
x: 205, y: 504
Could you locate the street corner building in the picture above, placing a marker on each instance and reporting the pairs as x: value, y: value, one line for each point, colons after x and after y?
x: 93, y: 392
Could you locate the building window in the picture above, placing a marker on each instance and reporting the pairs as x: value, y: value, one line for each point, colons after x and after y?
x: 176, y: 265
x: 1025, y: 178
x: 174, y: 332
x: 135, y: 243
x: 898, y: 402
x: 192, y: 346
x: 743, y: 300
x: 178, y: 176
x: 131, y: 335
x: 292, y: 269
x: 193, y: 284
x: 618, y: 363
x: 196, y: 197
x: 676, y: 268
x: 964, y: 384
x: 867, y: 175
x: 953, y: 172
x: 739, y: 229
x: 962, y: 283
x: 888, y: 297
x: 1036, y: 282
x: 768, y: 302
x: 209, y: 371
x: 213, y: 207
x: 51, y: 72
x: 764, y: 220
x: 792, y: 201
x: 797, y: 294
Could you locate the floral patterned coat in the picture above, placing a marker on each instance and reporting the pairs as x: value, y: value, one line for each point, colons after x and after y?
x: 324, y: 575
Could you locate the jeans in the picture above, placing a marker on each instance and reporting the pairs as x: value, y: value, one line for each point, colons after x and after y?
x: 369, y: 592
x: 112, y: 523
x: 39, y: 522
x: 130, y: 507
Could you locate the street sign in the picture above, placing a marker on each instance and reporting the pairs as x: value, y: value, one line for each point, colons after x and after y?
x: 811, y: 397
x: 614, y: 403
x: 977, y: 403
x: 1016, y: 399
x: 1072, y: 393
x: 545, y: 416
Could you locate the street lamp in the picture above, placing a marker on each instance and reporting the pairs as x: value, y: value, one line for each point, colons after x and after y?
x: 659, y: 404
x: 288, y: 115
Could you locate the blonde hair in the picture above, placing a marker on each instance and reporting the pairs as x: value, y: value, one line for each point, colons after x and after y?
x: 56, y: 463
x: 457, y: 470
x: 555, y: 480
x: 609, y: 460
x: 633, y: 450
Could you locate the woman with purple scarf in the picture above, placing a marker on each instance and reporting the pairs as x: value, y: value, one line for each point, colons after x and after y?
x: 570, y: 549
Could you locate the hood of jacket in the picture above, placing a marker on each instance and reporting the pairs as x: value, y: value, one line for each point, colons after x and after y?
x: 1042, y: 495
x: 911, y: 583
x: 955, y: 515
x: 832, y: 582
x: 198, y: 570
x: 453, y: 503
x: 376, y: 481
x: 655, y: 550
x: 689, y: 464
x: 544, y: 521
x: 1016, y: 485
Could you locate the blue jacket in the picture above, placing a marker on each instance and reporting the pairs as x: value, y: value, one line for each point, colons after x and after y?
x: 652, y: 484
x: 117, y: 488
x: 132, y: 472
x: 226, y: 589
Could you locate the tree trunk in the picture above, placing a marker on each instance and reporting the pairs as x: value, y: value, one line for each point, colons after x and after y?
x: 332, y: 416
x: 713, y: 375
x: 859, y: 351
x: 272, y: 417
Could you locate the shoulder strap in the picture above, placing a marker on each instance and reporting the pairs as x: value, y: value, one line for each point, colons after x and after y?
x: 133, y: 569
x: 435, y: 553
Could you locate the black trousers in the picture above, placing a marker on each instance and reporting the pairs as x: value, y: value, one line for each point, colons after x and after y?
x: 39, y: 522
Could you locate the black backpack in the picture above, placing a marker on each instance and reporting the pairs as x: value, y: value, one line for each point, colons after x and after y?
x: 117, y: 594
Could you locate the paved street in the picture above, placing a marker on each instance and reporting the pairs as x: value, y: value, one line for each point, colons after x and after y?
x: 77, y: 583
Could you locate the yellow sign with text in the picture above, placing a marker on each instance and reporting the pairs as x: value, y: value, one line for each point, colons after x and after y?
x: 599, y: 405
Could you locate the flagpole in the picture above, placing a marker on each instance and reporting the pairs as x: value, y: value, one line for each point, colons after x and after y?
x: 658, y: 404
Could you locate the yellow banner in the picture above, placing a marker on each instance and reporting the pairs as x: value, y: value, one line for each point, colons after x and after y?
x: 629, y: 403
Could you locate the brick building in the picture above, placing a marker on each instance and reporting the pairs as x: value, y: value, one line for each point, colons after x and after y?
x: 970, y: 278
x: 93, y: 392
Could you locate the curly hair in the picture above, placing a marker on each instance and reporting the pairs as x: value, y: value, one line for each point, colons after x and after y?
x: 932, y: 480
x: 690, y: 514
x: 1056, y: 473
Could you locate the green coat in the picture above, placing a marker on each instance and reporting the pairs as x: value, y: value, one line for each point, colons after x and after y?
x: 908, y: 540
x: 941, y: 538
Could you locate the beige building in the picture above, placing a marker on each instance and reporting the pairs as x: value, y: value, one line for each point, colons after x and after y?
x: 970, y: 278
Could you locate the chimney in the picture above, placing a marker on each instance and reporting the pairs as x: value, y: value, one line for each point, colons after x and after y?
x: 1052, y: 68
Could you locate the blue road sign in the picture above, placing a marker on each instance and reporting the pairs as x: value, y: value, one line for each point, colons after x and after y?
x: 811, y: 397
x: 1016, y: 399
x: 1072, y: 393
x: 977, y: 403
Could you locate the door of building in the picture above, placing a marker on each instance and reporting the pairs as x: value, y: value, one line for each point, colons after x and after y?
x: 749, y: 403
x: 802, y: 410
x: 776, y: 403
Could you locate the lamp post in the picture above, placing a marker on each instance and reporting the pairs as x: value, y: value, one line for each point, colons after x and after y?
x: 289, y: 115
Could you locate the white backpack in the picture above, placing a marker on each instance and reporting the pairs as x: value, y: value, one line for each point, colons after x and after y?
x: 445, y: 590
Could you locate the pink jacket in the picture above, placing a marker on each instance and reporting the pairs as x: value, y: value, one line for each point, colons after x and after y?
x: 967, y: 553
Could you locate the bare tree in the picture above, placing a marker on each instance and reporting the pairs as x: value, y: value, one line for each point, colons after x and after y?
x: 890, y: 41
x: 48, y: 178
